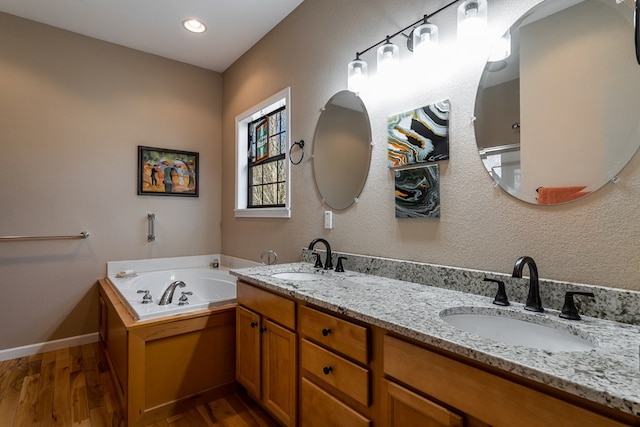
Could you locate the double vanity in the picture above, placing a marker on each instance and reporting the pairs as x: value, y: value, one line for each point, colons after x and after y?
x: 318, y: 347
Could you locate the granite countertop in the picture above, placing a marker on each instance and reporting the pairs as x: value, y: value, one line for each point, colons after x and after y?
x: 608, y: 374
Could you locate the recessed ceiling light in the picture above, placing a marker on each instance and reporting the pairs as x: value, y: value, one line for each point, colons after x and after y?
x: 194, y: 26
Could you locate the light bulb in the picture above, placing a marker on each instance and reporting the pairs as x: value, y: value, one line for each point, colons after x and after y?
x: 388, y: 59
x: 425, y: 40
x: 194, y: 26
x: 357, y: 75
x: 472, y: 20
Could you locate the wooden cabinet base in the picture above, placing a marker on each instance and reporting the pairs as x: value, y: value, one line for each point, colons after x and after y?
x: 163, y: 366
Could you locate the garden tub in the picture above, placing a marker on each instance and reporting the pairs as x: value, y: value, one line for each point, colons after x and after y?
x: 209, y: 288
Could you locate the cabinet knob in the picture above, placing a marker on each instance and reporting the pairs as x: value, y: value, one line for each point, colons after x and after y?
x: 326, y: 332
x: 262, y: 330
x: 327, y: 370
x: 254, y: 324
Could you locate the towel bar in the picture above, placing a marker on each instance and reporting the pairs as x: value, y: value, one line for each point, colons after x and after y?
x: 82, y: 235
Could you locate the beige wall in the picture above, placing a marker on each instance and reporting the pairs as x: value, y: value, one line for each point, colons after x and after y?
x: 72, y: 112
x: 595, y: 240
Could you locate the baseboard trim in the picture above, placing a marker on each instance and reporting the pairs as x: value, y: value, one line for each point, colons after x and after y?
x: 29, y: 350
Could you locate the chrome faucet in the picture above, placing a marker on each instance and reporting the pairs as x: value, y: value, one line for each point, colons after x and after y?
x: 534, y: 303
x: 167, y: 296
x: 328, y: 265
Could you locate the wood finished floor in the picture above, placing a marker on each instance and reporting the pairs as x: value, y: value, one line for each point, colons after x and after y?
x: 73, y: 387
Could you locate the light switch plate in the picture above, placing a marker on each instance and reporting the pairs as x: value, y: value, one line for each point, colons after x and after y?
x: 328, y: 220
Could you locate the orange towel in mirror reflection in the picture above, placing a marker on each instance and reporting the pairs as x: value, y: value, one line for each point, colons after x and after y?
x: 555, y: 195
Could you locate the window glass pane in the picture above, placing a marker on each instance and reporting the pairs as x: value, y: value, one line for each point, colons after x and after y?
x: 256, y: 196
x: 273, y: 124
x: 279, y: 121
x: 262, y: 149
x: 283, y: 122
x: 282, y: 195
x: 281, y: 170
x: 271, y: 172
x: 274, y: 146
x: 269, y: 194
x: 283, y: 142
x: 256, y: 175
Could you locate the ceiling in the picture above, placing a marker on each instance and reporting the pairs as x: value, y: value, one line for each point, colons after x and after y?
x: 155, y: 26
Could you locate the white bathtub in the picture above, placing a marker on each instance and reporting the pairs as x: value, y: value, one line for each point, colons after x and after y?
x: 210, y: 288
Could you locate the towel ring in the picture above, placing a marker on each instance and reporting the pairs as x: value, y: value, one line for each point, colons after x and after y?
x: 301, y: 145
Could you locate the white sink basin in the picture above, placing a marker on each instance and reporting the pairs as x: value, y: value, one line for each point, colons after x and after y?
x: 508, y: 330
x: 297, y: 276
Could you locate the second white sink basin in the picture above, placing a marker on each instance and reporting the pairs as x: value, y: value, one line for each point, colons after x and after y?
x: 299, y: 275
x: 508, y: 330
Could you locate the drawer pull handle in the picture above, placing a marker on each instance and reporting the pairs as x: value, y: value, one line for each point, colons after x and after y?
x: 326, y: 332
x: 254, y: 324
x: 327, y: 370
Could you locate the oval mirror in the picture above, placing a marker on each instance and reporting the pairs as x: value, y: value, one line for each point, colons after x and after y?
x: 557, y: 118
x: 342, y: 150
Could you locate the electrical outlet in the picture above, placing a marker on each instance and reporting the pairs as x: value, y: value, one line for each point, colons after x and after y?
x: 328, y: 220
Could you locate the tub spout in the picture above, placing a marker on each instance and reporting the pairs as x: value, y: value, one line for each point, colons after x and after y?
x: 167, y: 296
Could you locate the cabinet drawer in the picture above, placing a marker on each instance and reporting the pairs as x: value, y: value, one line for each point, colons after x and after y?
x: 319, y: 409
x: 336, y: 371
x: 275, y: 307
x: 490, y: 398
x: 345, y: 337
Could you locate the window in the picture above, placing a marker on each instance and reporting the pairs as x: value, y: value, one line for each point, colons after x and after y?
x: 262, y: 170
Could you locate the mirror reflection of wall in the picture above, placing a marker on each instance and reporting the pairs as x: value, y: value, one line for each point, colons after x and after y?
x: 563, y: 113
x: 342, y: 150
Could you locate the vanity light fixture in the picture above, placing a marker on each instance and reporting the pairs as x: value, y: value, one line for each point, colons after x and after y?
x: 194, y: 25
x: 421, y: 40
x: 472, y: 20
x: 424, y: 38
x: 388, y: 58
x: 357, y: 75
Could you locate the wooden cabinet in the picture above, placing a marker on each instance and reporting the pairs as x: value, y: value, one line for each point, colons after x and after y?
x: 336, y: 379
x: 405, y: 408
x: 353, y: 374
x: 160, y: 365
x: 487, y: 397
x: 266, y: 357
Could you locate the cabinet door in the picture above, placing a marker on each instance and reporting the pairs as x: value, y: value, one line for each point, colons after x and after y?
x: 248, y: 350
x: 405, y: 408
x: 320, y: 409
x: 279, y: 367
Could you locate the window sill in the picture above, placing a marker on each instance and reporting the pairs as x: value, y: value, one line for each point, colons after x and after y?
x: 263, y: 213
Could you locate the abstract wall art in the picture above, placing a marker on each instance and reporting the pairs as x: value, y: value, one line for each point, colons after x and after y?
x: 419, y: 136
x: 418, y: 192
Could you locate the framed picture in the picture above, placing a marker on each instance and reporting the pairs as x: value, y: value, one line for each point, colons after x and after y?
x: 165, y: 172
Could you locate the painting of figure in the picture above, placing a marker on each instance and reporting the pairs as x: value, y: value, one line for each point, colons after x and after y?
x: 167, y: 172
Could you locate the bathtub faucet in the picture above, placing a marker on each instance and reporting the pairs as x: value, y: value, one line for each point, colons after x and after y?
x: 167, y: 296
